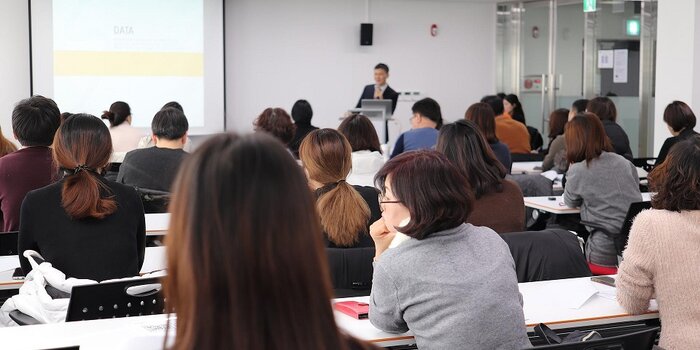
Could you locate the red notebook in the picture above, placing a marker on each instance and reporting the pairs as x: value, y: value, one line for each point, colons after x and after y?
x: 353, y: 309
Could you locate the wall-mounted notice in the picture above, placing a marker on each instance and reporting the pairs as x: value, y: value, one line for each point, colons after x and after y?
x: 605, y: 59
x: 620, y: 66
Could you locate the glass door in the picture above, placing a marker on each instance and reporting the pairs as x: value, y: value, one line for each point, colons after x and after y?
x: 550, y: 53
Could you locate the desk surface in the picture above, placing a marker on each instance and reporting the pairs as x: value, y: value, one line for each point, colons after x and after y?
x: 548, y: 302
x: 543, y: 302
x: 526, y: 167
x: 153, y: 260
x: 157, y: 224
x: 555, y: 204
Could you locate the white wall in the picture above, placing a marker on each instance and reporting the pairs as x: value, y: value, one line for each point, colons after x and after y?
x: 14, y: 66
x: 278, y: 51
x: 677, y: 60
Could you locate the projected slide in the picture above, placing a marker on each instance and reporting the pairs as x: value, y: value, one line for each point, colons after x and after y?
x: 87, y: 54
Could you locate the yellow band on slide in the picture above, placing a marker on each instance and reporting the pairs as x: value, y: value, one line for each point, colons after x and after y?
x: 177, y: 64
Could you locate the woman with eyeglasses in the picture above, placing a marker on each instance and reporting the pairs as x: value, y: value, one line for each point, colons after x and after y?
x: 463, y: 144
x: 451, y: 283
x: 346, y: 211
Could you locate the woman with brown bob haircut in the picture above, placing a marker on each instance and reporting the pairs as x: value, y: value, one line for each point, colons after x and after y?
x: 367, y: 156
x: 602, y: 183
x: 464, y: 145
x: 433, y: 282
x: 604, y: 108
x: 276, y: 122
x: 556, y: 150
x: 482, y: 114
x: 661, y: 258
x: 85, y: 225
x: 680, y: 120
x: 237, y: 278
x: 346, y: 211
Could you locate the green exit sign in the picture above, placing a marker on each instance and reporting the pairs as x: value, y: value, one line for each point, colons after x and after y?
x: 633, y: 27
x: 589, y: 5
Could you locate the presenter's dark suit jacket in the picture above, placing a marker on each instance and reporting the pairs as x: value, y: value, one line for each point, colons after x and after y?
x: 389, y: 94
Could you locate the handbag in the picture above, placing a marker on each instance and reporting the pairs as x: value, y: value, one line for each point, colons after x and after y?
x: 551, y: 337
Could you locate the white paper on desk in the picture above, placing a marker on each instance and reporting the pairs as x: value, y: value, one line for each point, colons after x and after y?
x: 550, y: 174
x: 575, y: 293
x: 604, y: 291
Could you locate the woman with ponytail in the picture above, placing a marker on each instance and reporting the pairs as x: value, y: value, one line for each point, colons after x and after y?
x: 85, y: 225
x: 346, y: 211
x: 125, y: 137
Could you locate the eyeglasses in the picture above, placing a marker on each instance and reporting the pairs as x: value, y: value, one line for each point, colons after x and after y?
x: 383, y: 200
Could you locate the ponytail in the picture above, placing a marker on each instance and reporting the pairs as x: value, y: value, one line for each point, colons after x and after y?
x: 81, y: 196
x: 344, y: 213
x: 82, y: 146
x: 117, y: 113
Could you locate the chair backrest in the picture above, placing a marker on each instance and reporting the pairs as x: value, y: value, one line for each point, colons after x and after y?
x: 641, y: 340
x: 351, y: 270
x: 526, y: 157
x: 8, y: 243
x: 546, y: 255
x: 632, y: 212
x: 154, y: 201
x: 127, y: 298
x: 645, y: 163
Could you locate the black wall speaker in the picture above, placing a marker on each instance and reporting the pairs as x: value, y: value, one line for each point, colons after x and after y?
x: 366, y: 34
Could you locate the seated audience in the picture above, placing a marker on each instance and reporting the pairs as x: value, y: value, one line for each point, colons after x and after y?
x: 124, y: 136
x: 680, y: 120
x: 425, y: 122
x: 260, y: 282
x: 463, y: 144
x: 6, y: 146
x: 301, y: 113
x: 602, y: 183
x: 605, y: 109
x: 556, y: 151
x: 154, y: 168
x: 346, y: 211
x: 512, y: 107
x: 511, y: 132
x: 90, y: 227
x: 433, y: 282
x: 147, y: 141
x: 577, y: 107
x: 367, y: 156
x: 482, y: 115
x: 662, y: 253
x: 34, y: 123
x: 276, y: 122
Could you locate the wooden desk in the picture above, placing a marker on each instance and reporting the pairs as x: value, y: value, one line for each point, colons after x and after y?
x: 555, y: 204
x: 157, y: 224
x: 153, y: 260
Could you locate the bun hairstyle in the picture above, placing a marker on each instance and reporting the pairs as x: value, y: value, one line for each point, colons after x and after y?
x: 117, y: 113
x: 82, y: 147
x: 326, y: 155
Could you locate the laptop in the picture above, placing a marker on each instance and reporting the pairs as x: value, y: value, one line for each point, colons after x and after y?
x: 384, y: 105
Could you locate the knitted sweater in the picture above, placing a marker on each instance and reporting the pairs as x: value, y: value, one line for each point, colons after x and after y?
x: 662, y: 257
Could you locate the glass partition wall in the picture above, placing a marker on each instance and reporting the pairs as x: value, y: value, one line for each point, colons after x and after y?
x: 551, y: 53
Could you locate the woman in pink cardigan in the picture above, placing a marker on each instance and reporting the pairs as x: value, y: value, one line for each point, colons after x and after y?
x: 663, y: 254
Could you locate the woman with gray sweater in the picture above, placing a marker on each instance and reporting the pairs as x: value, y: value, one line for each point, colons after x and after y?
x: 602, y: 183
x: 452, y: 284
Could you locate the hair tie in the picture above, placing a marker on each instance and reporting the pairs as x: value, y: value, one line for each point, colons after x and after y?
x: 77, y: 169
x: 339, y: 181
